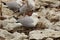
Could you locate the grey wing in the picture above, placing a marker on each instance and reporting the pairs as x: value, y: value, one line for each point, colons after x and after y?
x: 26, y: 21
x: 12, y: 5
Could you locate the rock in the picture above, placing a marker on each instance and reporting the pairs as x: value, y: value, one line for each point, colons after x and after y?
x: 49, y: 39
x: 7, y: 0
x: 10, y: 20
x: 56, y: 26
x: 51, y: 3
x: 40, y: 34
x: 6, y: 21
x: 15, y: 36
x: 37, y: 4
x: 6, y: 12
x: 53, y: 16
x: 44, y: 23
x: 10, y: 24
x: 5, y: 34
x: 1, y: 38
x: 19, y: 36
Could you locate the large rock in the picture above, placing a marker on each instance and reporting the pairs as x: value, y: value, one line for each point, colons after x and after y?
x: 40, y: 34
x: 10, y: 24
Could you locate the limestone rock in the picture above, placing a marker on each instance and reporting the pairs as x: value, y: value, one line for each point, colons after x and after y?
x: 49, y: 39
x: 10, y: 24
x: 19, y: 36
x: 6, y: 12
x: 40, y: 34
x: 56, y: 26
x: 44, y: 23
x: 5, y: 34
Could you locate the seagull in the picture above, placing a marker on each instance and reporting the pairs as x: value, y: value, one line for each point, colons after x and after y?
x: 24, y: 7
x: 29, y: 21
x: 26, y: 21
x: 13, y: 5
x: 28, y: 7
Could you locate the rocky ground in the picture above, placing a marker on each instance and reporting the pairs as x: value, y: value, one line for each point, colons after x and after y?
x: 47, y: 28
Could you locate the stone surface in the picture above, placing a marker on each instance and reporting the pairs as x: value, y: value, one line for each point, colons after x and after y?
x: 45, y: 16
x: 40, y: 34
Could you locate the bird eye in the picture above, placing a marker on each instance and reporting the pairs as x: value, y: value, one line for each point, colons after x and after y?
x: 38, y: 17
